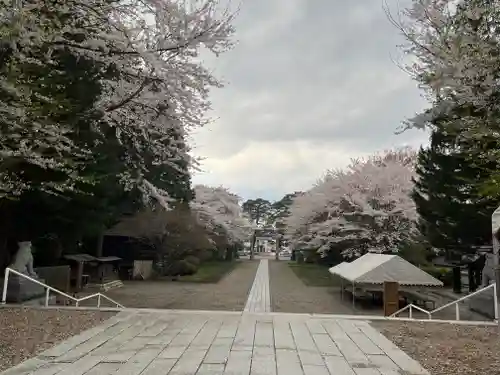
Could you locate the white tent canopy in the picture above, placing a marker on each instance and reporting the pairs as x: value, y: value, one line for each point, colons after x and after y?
x: 378, y: 268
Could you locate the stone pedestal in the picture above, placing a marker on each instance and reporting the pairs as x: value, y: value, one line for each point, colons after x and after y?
x: 20, y: 289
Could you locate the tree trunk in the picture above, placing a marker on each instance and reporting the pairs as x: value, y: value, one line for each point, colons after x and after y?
x: 252, y: 247
x: 100, y: 241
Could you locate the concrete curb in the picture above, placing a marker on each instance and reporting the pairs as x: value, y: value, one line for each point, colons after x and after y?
x: 272, y: 314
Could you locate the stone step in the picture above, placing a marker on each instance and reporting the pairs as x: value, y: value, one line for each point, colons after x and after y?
x: 104, y: 287
x: 112, y: 285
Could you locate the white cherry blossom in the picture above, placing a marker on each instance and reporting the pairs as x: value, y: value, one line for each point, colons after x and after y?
x: 159, y: 85
x: 219, y: 209
x: 366, y: 207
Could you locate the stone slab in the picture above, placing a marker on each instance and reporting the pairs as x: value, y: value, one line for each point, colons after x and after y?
x: 259, y: 298
x: 153, y: 343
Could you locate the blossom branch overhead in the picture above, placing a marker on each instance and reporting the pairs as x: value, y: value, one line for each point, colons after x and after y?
x: 145, y: 55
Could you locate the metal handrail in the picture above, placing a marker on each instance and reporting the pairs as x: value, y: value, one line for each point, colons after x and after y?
x: 99, y: 297
x: 456, y: 303
x: 51, y: 289
x: 494, y: 286
x: 410, y: 307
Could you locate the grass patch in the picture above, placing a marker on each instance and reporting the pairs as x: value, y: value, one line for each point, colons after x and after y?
x: 313, y: 274
x: 210, y: 272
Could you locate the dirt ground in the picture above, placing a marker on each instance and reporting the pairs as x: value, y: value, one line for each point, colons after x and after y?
x: 447, y: 349
x: 289, y: 294
x: 228, y: 294
x: 26, y: 332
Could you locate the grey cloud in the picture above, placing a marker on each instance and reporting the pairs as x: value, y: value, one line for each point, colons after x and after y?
x: 312, y: 70
x: 323, y: 64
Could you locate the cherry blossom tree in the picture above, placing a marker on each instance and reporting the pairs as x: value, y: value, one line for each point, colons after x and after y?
x: 453, y: 49
x: 220, y: 210
x: 145, y: 56
x: 366, y: 207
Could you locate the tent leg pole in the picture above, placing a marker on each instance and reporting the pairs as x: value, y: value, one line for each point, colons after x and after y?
x: 342, y: 290
x: 353, y: 297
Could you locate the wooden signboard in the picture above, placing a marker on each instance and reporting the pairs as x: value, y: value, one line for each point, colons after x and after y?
x: 391, y: 297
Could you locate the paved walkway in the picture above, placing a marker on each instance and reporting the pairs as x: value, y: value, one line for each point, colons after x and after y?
x: 252, y: 342
x: 259, y: 298
x: 211, y: 343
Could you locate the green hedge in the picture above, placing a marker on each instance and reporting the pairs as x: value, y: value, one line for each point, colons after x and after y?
x: 443, y: 274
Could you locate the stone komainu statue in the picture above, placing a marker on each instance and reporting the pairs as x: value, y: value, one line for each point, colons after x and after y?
x: 23, y: 260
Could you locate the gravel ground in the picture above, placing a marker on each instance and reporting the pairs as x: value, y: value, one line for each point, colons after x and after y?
x: 447, y: 349
x: 228, y: 294
x: 26, y: 332
x: 289, y: 294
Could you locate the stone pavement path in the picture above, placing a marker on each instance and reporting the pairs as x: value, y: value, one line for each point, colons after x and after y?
x: 259, y: 299
x: 213, y: 343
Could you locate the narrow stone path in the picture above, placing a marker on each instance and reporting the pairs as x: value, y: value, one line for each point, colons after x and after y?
x: 223, y: 343
x: 259, y: 298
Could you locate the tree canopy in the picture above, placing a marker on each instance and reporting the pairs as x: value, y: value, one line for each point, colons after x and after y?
x: 453, y: 47
x: 447, y: 193
x: 366, y: 207
x: 221, y: 213
x: 97, y: 99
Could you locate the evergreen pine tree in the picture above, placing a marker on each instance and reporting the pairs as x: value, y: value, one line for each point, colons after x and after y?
x: 453, y: 213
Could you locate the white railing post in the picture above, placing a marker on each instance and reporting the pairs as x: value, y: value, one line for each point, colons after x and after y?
x: 457, y: 311
x: 48, y: 288
x: 495, y: 299
x: 5, y: 285
x: 410, y: 315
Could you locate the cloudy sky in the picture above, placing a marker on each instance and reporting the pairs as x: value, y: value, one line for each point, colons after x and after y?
x: 310, y: 84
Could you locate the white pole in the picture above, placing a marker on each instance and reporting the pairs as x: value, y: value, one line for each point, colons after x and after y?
x: 47, y: 296
x: 495, y: 227
x: 353, y: 297
x: 495, y: 300
x: 5, y: 284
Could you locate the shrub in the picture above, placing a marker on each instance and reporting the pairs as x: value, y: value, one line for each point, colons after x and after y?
x: 447, y: 277
x: 204, y: 255
x: 193, y: 260
x: 443, y: 274
x: 313, y: 257
x: 182, y: 267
